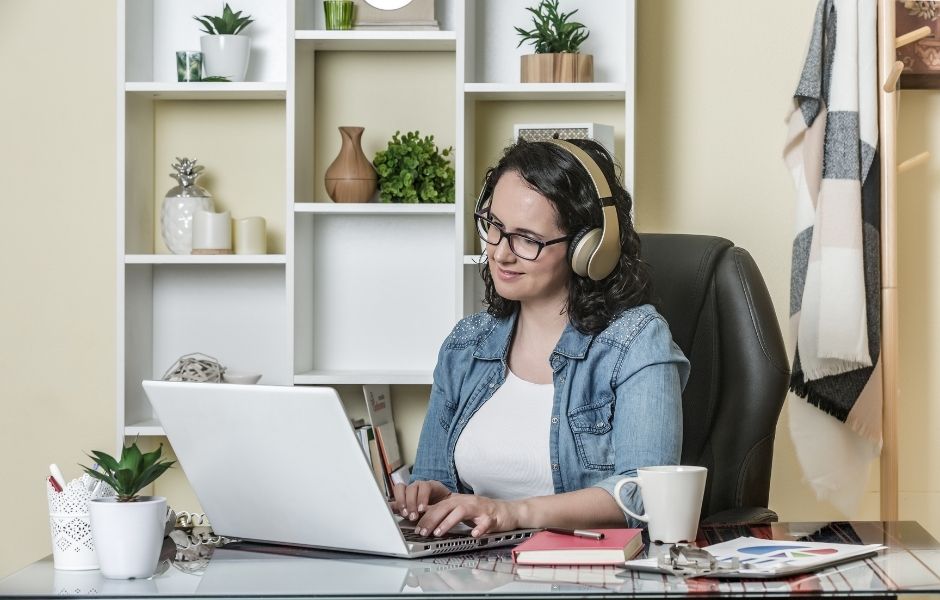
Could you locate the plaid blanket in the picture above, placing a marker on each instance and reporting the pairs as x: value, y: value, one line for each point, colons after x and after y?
x: 831, y: 151
x: 835, y: 291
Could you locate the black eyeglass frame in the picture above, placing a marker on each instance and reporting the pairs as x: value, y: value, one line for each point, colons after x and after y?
x: 479, y: 216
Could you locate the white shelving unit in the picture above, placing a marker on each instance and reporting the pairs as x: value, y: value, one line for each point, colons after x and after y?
x: 351, y: 293
x: 165, y: 90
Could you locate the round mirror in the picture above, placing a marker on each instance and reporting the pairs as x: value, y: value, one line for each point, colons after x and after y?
x: 388, y: 4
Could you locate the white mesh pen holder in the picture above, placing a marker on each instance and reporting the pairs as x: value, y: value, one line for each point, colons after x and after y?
x: 70, y: 525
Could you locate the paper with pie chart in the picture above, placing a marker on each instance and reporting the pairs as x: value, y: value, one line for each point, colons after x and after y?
x: 777, y: 557
x: 762, y: 559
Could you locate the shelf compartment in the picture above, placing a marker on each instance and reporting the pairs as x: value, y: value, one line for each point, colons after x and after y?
x: 383, y: 41
x: 236, y: 314
x: 248, y: 90
x: 155, y: 29
x: 493, y: 52
x: 372, y: 208
x: 208, y: 259
x: 343, y: 377
x: 545, y: 91
x: 372, y: 296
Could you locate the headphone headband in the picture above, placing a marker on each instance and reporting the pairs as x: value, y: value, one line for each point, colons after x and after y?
x: 593, y: 171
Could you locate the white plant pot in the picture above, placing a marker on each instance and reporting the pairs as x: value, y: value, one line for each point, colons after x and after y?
x: 128, y: 535
x: 225, y: 56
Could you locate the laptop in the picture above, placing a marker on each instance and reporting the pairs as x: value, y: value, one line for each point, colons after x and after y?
x: 282, y: 464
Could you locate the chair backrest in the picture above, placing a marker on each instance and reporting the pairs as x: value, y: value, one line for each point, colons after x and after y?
x: 721, y: 316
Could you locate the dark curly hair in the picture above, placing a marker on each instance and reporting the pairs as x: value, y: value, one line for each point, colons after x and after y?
x: 558, y: 176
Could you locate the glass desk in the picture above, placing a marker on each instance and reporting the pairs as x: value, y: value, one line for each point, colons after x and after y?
x: 910, y: 565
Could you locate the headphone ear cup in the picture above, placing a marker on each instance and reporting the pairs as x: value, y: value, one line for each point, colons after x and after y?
x: 582, y: 248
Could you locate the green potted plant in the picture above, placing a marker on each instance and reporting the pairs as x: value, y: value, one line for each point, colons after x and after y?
x: 225, y: 52
x: 412, y: 169
x: 557, y: 41
x: 127, y: 529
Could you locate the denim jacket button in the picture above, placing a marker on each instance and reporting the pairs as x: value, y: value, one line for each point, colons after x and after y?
x: 554, y: 419
x: 492, y: 385
x: 554, y: 466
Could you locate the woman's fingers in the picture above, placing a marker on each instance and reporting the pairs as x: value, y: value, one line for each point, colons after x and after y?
x: 484, y: 514
x: 482, y: 524
x: 411, y: 500
x: 398, y: 497
x: 441, y: 517
x: 424, y: 497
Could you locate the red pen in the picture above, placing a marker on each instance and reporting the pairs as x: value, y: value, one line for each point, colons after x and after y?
x: 55, y: 484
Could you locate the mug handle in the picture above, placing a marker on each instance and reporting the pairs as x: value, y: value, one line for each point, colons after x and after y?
x: 636, y: 480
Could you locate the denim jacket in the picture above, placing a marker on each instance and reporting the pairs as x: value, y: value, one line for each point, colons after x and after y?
x: 617, y: 402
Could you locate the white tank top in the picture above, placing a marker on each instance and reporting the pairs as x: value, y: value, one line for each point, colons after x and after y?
x: 502, y: 453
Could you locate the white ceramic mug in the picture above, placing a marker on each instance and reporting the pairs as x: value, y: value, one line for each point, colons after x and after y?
x: 672, y: 497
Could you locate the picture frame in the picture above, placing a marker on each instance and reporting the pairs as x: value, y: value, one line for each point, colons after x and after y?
x: 395, y: 15
x: 922, y: 58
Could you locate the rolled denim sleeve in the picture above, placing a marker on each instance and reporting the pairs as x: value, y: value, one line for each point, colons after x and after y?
x: 431, y: 459
x: 647, y: 420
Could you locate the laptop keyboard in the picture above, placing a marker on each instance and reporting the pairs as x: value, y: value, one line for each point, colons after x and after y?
x: 411, y: 536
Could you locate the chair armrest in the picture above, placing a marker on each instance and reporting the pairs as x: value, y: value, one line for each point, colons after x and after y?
x: 741, y: 515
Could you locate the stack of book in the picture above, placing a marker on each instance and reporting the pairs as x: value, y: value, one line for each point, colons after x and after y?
x: 379, y: 441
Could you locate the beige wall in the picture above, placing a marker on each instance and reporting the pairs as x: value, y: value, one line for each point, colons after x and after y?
x: 57, y: 254
x: 714, y: 81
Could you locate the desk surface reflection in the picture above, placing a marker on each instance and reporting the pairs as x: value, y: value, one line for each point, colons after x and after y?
x: 911, y: 564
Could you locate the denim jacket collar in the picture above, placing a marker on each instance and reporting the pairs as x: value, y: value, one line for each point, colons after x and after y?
x: 495, y: 345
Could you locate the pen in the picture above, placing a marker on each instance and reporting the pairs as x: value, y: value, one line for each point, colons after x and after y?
x: 583, y: 533
x: 55, y: 484
x: 57, y: 475
x: 91, y: 484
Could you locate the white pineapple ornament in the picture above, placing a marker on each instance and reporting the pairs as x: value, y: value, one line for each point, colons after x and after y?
x: 180, y: 204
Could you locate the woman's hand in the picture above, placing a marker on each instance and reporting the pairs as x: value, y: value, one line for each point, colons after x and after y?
x: 485, y: 513
x: 413, y: 499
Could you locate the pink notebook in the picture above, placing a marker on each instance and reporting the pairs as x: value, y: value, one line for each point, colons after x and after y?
x: 547, y: 548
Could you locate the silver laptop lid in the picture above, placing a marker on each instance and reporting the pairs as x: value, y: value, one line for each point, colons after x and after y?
x: 276, y: 464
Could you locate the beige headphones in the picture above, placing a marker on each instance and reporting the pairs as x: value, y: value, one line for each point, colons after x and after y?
x: 592, y: 252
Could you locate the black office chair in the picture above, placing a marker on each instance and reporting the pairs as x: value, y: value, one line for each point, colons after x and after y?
x: 721, y: 316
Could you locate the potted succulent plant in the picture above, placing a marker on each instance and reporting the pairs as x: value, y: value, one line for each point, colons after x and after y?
x: 128, y: 529
x: 225, y: 53
x: 412, y: 169
x: 557, y: 41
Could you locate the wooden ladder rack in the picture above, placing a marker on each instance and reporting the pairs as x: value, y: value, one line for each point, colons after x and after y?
x: 889, y: 72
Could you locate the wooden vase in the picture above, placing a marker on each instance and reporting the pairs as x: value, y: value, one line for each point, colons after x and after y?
x: 351, y: 177
x: 562, y: 67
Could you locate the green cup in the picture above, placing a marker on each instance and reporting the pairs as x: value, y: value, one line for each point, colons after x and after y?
x: 338, y: 14
x: 188, y: 65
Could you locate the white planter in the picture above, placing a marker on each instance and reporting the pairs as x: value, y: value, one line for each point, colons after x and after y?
x: 225, y: 56
x: 128, y: 535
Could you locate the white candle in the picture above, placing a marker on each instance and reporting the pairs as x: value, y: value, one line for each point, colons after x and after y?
x: 212, y: 231
x: 250, y: 236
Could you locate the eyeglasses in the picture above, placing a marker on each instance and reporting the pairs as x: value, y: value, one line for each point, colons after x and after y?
x: 521, y: 245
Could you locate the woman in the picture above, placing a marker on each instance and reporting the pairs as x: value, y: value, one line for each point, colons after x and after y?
x: 567, y: 382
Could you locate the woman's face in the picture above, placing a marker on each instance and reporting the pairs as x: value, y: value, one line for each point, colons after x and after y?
x: 517, y: 208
